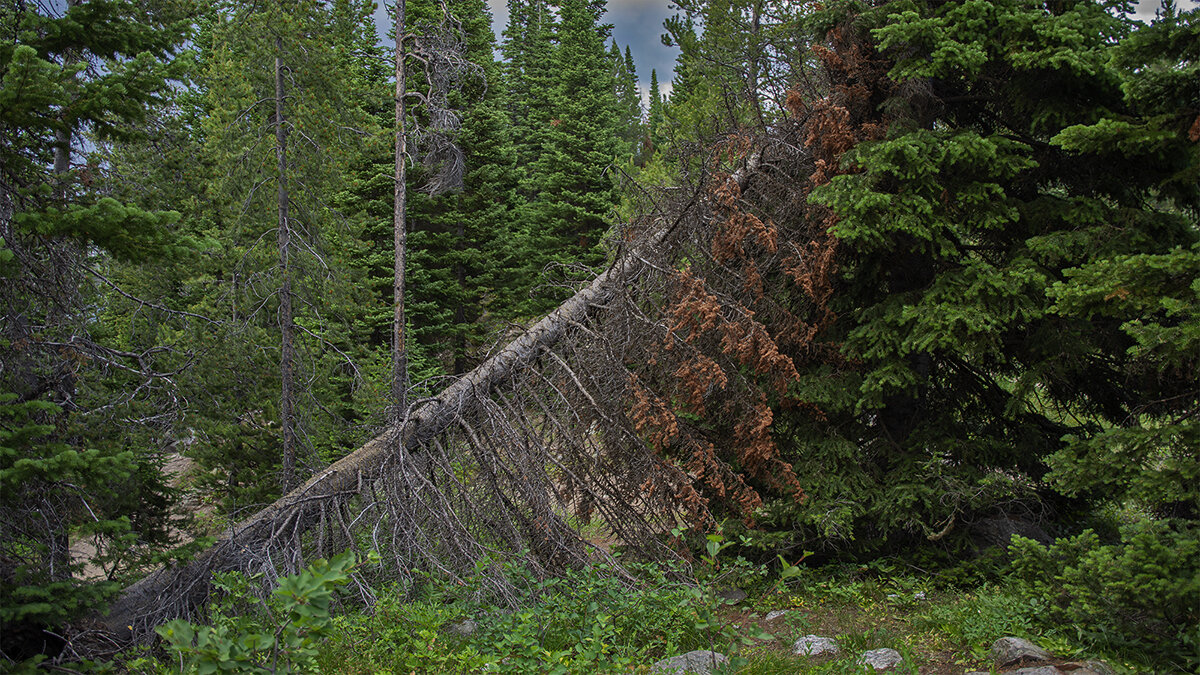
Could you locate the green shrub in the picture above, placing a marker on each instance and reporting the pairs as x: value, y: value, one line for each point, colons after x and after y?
x: 974, y: 620
x: 296, y: 619
x: 1141, y: 594
x: 586, y: 621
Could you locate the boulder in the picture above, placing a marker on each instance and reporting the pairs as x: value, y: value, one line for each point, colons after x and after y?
x: 731, y: 595
x: 775, y: 614
x: 1091, y: 668
x: 998, y: 532
x: 1009, y: 650
x: 699, y: 662
x: 881, y: 659
x: 464, y: 628
x: 815, y: 645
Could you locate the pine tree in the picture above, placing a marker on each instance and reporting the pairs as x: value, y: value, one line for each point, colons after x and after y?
x: 738, y: 58
x: 972, y: 239
x: 463, y: 257
x: 654, y: 116
x: 528, y: 46
x: 629, y: 101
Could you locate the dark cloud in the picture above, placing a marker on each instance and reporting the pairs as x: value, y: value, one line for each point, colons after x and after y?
x: 639, y: 24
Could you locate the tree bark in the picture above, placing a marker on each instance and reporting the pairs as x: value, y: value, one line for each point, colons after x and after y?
x: 287, y: 403
x: 460, y: 311
x: 399, y: 353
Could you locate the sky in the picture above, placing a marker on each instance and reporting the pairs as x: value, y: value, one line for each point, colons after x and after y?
x: 638, y: 24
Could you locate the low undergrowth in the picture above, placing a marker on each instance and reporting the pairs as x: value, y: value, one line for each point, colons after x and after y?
x: 598, y: 621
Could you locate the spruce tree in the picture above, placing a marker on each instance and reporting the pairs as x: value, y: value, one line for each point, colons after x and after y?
x: 654, y: 137
x: 284, y: 116
x: 463, y: 257
x: 1001, y: 219
x: 629, y: 101
x: 570, y: 190
x: 85, y: 74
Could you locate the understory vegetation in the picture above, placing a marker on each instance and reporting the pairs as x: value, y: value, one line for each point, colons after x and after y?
x: 600, y: 619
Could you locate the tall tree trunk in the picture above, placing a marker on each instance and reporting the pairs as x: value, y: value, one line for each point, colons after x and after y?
x: 399, y: 353
x: 460, y: 313
x: 287, y: 415
x: 755, y: 57
x: 59, y: 552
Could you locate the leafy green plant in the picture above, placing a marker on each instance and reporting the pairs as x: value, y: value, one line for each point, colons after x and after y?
x: 296, y: 619
x: 976, y: 619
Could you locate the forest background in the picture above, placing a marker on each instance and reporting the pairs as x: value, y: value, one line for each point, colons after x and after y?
x: 964, y: 286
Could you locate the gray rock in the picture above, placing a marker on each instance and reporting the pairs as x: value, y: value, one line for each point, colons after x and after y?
x: 464, y: 628
x: 1009, y: 650
x: 1038, y: 670
x: 1092, y: 668
x: 775, y: 614
x: 881, y: 659
x: 732, y: 595
x: 700, y: 662
x: 991, y: 532
x: 815, y: 645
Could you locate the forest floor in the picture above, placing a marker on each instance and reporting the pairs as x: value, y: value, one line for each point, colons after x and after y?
x: 587, y: 623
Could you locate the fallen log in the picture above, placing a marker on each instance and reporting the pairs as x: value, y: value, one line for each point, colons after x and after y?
x: 140, y: 606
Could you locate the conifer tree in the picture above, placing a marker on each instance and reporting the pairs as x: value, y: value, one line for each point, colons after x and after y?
x: 654, y: 115
x: 737, y: 61
x: 314, y: 122
x: 80, y: 74
x: 529, y: 43
x: 629, y: 101
x: 570, y: 191
x: 462, y: 249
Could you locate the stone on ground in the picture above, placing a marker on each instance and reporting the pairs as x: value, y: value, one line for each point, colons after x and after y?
x: 881, y: 659
x: 1009, y: 650
x: 731, y: 595
x: 699, y: 662
x: 464, y: 628
x: 815, y: 645
x: 775, y: 614
x: 1093, y: 668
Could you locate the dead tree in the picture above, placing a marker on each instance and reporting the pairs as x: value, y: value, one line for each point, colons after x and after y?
x: 439, y: 51
x: 494, y: 467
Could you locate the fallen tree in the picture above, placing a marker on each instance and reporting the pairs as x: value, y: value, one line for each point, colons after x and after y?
x: 490, y: 468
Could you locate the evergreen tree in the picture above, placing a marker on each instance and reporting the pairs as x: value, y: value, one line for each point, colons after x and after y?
x: 284, y: 115
x: 629, y: 101
x: 92, y: 71
x: 654, y: 116
x: 737, y: 61
x: 570, y: 191
x: 997, y: 252
x: 461, y: 255
x: 529, y: 43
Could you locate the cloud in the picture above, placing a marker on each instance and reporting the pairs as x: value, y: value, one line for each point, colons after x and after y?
x: 638, y: 24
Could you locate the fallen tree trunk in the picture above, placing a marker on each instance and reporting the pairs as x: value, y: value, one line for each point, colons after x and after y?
x: 141, y: 606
